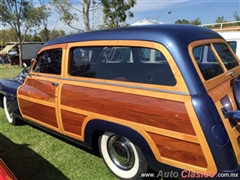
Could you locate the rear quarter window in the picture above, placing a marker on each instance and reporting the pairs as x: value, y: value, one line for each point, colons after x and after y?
x: 209, y: 63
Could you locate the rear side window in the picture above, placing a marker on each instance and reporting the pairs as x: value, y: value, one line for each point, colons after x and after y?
x: 131, y: 64
x: 207, y: 62
x: 49, y: 62
x: 226, y: 55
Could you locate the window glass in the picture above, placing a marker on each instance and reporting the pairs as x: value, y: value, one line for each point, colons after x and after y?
x: 233, y: 45
x: 226, y: 55
x: 132, y: 64
x: 207, y: 62
x: 49, y: 62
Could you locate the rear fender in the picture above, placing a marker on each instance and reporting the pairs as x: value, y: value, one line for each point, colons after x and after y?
x: 133, y: 135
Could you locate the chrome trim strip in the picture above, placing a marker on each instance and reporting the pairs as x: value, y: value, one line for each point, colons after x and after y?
x: 128, y: 86
x: 44, y: 76
x: 114, y: 84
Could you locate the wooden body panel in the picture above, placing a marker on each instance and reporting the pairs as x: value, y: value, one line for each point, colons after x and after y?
x: 41, y: 95
x: 186, y: 152
x: 221, y: 92
x: 145, y: 110
x: 72, y: 122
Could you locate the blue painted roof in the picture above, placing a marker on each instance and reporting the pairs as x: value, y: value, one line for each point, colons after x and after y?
x: 175, y: 37
x: 158, y: 33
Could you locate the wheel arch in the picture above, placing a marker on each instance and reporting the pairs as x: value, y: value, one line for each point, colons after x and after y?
x: 1, y: 100
x: 97, y: 127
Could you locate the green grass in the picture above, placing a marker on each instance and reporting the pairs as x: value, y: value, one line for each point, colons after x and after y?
x: 32, y: 154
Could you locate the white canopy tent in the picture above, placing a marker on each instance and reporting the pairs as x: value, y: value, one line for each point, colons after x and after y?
x: 146, y: 21
x: 7, y: 49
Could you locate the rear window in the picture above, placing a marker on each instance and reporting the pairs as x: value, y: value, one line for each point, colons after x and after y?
x: 208, y: 62
x: 131, y: 64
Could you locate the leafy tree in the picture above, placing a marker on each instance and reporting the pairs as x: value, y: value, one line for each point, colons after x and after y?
x: 36, y: 38
x: 44, y: 34
x: 21, y: 16
x: 115, y: 12
x: 184, y: 21
x: 196, y: 22
x: 8, y: 35
x: 220, y: 19
x: 45, y: 14
x: 57, y: 33
x: 53, y: 34
x: 236, y: 16
x: 69, y: 13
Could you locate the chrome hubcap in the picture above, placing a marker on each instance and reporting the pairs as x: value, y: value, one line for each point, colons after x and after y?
x: 121, y: 152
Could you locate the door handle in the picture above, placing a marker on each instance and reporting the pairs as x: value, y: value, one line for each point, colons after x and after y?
x: 55, y: 84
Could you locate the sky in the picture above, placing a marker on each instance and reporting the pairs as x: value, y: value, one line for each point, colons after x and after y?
x: 206, y: 10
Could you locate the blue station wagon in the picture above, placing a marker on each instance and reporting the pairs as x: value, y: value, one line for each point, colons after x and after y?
x: 160, y: 97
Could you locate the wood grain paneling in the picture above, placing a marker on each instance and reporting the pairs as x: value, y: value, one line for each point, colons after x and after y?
x: 37, y: 89
x: 238, y: 140
x: 72, y: 122
x: 179, y: 150
x: 39, y: 112
x: 166, y: 114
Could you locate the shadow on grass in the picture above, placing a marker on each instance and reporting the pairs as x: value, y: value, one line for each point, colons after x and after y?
x: 25, y: 163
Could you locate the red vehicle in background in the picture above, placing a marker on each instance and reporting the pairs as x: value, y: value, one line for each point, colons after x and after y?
x: 5, y: 173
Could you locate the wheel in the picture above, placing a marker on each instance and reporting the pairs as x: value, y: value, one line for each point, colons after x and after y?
x: 121, y: 156
x: 9, y: 115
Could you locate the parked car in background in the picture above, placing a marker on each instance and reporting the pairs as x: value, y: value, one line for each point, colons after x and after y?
x: 233, y: 38
x: 164, y: 97
x: 5, y: 172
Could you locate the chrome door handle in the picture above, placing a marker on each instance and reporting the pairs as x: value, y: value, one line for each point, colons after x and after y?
x: 55, y: 84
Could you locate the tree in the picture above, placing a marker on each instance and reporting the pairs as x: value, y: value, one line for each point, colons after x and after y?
x: 220, y: 19
x: 69, y: 12
x: 36, y: 38
x: 236, y: 16
x: 8, y: 35
x: 184, y: 21
x: 45, y: 14
x: 115, y: 12
x: 21, y: 16
x: 53, y: 34
x: 196, y: 22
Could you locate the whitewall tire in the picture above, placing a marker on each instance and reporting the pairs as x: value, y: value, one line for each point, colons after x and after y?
x: 8, y: 113
x: 121, y: 156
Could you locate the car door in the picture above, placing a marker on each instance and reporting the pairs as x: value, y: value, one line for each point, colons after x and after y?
x: 37, y: 97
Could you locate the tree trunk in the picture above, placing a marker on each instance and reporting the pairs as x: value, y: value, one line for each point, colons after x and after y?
x: 20, y: 50
x: 85, y: 14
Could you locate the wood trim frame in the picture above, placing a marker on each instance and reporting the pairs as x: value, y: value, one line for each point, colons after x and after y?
x: 213, y: 82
